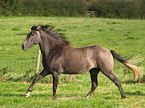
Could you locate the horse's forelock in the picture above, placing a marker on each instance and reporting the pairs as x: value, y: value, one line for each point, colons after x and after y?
x: 34, y: 28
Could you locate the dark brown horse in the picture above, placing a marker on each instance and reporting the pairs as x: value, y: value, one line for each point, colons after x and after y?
x: 60, y: 58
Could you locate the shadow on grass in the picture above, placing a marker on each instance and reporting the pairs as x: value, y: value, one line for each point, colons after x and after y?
x: 41, y: 96
x: 23, y: 95
x: 138, y: 81
x: 11, y: 95
x: 139, y: 93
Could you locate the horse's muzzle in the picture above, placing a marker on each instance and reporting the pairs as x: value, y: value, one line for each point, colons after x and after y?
x: 23, y: 47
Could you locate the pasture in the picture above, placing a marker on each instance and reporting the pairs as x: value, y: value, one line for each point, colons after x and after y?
x: 126, y: 37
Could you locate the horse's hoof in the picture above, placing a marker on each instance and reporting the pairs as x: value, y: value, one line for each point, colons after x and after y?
x: 87, y: 96
x: 27, y: 95
x: 123, y: 97
x: 53, y: 98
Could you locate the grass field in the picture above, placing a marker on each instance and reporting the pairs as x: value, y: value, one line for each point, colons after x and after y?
x: 71, y: 95
x: 126, y: 37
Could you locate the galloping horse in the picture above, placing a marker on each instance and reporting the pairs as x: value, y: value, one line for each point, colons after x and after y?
x: 58, y: 57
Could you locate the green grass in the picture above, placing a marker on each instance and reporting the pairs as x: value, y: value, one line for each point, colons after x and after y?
x: 126, y: 37
x: 71, y: 95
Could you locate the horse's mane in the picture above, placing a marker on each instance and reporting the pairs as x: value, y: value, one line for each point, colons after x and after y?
x: 55, y: 33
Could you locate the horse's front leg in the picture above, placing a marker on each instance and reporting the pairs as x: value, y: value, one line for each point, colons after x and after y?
x: 55, y: 83
x: 41, y: 75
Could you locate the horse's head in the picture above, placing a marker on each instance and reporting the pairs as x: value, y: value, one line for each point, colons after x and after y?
x: 32, y: 38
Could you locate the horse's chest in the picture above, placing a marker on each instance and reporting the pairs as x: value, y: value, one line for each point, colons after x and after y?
x: 52, y: 66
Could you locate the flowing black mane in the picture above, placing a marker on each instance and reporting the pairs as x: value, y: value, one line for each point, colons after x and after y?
x: 55, y: 33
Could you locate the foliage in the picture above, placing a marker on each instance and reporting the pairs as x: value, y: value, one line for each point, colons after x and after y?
x: 105, y: 8
x: 116, y: 9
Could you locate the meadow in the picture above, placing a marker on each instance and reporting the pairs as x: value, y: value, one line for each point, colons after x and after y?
x: 126, y: 37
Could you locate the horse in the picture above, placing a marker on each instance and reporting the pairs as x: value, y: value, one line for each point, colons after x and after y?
x: 59, y: 57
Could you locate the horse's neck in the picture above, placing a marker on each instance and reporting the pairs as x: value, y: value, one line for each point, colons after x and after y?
x: 45, y: 45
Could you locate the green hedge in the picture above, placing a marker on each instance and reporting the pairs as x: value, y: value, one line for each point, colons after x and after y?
x: 105, y: 8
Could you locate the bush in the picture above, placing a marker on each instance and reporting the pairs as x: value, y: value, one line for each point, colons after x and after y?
x: 105, y: 8
x: 114, y: 9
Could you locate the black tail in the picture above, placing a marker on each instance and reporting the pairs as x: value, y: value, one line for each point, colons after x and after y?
x: 118, y: 57
x: 126, y: 62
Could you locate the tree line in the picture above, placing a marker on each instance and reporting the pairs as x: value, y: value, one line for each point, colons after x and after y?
x: 105, y: 8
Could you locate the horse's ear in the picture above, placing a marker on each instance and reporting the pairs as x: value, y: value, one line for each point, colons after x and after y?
x: 30, y: 26
x: 38, y: 27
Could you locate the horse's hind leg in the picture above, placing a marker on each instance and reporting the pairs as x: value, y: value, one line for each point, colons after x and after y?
x: 113, y: 78
x: 93, y: 74
x: 41, y: 75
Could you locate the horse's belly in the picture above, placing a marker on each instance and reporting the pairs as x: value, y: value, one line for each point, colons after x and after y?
x: 75, y: 71
x: 78, y: 68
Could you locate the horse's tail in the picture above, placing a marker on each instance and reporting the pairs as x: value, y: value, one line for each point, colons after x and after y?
x: 126, y: 62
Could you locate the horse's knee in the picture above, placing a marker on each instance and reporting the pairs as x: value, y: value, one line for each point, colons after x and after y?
x: 37, y: 78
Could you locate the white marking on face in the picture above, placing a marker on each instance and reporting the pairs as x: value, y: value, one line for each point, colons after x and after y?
x: 30, y: 32
x: 38, y: 33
